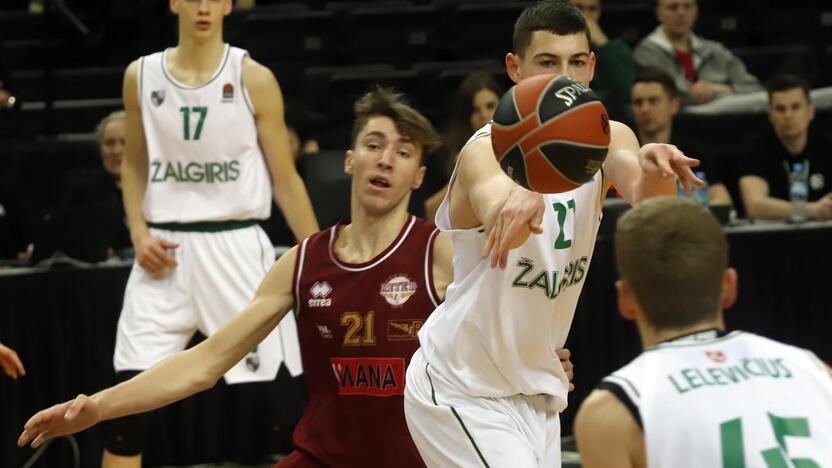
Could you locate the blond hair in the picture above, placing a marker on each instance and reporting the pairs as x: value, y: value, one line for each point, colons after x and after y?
x: 102, y: 125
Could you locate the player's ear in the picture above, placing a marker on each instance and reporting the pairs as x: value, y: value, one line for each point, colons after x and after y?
x: 348, y: 162
x: 229, y: 5
x: 674, y: 106
x: 729, y: 288
x: 593, y: 60
x: 419, y: 178
x: 174, y: 6
x: 626, y: 300
x: 512, y: 65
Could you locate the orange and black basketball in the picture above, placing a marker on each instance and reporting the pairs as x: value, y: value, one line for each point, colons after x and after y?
x: 550, y: 134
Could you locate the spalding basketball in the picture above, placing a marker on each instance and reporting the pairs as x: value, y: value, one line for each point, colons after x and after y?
x: 550, y: 134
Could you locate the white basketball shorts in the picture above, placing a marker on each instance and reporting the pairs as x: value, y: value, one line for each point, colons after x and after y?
x: 217, y: 275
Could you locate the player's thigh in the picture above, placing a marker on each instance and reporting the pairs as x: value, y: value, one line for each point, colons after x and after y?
x: 450, y: 431
x: 157, y: 318
x: 226, y: 272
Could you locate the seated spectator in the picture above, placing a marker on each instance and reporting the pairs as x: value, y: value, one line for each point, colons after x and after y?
x: 655, y: 101
x: 770, y: 157
x: 7, y: 99
x: 474, y: 104
x: 614, y: 68
x: 704, y: 70
x: 89, y: 223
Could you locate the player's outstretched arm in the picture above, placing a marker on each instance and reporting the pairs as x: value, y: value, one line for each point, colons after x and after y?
x: 606, y: 434
x: 181, y: 375
x: 649, y: 171
x: 287, y: 186
x: 483, y: 195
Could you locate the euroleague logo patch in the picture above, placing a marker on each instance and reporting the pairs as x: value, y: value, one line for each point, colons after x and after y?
x: 398, y: 289
x: 228, y: 92
x: 716, y: 356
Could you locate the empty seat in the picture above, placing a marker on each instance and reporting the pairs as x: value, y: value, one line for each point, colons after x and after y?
x: 397, y: 35
x: 328, y: 186
x: 766, y: 62
x: 483, y: 30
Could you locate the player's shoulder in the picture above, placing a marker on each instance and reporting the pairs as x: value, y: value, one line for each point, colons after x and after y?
x: 132, y: 70
x: 255, y: 72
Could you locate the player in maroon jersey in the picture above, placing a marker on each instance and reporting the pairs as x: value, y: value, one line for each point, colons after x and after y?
x: 361, y: 291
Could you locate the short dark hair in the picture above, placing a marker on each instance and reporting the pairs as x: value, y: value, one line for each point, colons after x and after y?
x: 673, y: 254
x: 409, y: 122
x: 555, y: 16
x: 657, y: 75
x: 787, y: 82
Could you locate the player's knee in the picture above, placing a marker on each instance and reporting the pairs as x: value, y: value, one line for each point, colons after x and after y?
x: 126, y: 436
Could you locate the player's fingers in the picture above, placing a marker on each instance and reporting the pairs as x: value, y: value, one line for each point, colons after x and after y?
x: 571, y: 386
x: 508, y: 234
x: 664, y: 166
x: 16, y: 364
x: 165, y: 259
x: 8, y: 369
x: 162, y: 257
x: 497, y: 231
x: 41, y: 438
x: 168, y: 244
x: 563, y: 354
x: 536, y: 225
x: 489, y: 243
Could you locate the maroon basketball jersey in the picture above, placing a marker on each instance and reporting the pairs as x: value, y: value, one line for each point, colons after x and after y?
x: 357, y: 325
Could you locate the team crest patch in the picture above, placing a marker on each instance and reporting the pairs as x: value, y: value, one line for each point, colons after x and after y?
x: 228, y: 92
x: 157, y: 97
x: 401, y: 330
x: 397, y: 290
x: 716, y: 356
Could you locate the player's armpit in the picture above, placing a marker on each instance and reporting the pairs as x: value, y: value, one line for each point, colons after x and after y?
x: 443, y: 270
x: 606, y: 434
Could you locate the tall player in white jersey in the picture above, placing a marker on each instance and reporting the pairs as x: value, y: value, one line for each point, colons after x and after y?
x: 484, y: 388
x: 206, y: 146
x: 697, y: 396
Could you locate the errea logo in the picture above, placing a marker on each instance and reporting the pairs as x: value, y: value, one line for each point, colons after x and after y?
x: 320, y: 292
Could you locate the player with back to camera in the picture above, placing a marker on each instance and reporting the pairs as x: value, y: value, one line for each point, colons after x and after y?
x: 206, y: 147
x: 698, y: 396
x: 483, y: 389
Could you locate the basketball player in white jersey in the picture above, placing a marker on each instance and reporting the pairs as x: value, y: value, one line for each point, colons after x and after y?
x: 484, y: 388
x: 206, y: 146
x: 697, y: 396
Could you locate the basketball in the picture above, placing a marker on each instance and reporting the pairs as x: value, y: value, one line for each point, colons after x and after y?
x: 550, y: 133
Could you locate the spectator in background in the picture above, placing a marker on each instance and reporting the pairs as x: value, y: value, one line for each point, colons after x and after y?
x: 614, y: 67
x: 11, y: 362
x: 7, y: 99
x: 655, y: 101
x: 770, y: 157
x: 88, y: 222
x: 473, y: 106
x: 704, y: 70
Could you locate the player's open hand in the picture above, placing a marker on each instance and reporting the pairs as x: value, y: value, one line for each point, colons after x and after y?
x: 564, y: 355
x: 62, y: 419
x: 11, y: 362
x: 152, y: 254
x: 668, y: 161
x: 520, y: 215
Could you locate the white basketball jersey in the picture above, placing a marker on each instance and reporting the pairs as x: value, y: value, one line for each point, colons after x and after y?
x: 497, y: 331
x: 204, y: 160
x: 734, y: 401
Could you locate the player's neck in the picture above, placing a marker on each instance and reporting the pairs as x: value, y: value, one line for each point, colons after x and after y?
x: 368, y: 235
x: 199, y: 57
x: 659, y: 136
x: 651, y: 336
